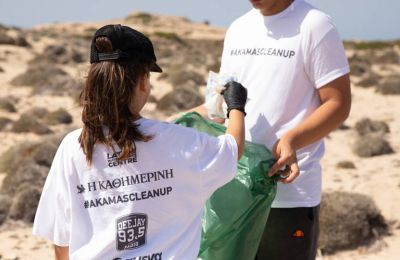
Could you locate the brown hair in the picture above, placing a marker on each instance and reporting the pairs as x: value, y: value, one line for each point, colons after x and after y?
x: 105, y: 99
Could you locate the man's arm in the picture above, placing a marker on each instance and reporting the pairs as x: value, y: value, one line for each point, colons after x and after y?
x: 61, y: 252
x: 334, y: 109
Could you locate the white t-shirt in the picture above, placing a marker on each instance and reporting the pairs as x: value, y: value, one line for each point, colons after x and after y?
x: 283, y: 60
x: 147, y: 207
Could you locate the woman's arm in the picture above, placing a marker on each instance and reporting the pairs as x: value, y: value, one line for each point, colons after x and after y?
x: 236, y: 129
x: 61, y: 252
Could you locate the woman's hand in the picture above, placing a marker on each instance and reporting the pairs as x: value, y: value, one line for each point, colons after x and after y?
x: 286, y: 164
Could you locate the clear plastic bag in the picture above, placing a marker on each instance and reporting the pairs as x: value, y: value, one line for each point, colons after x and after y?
x: 215, y: 104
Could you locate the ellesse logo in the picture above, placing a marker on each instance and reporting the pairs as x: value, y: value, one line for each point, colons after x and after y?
x: 298, y: 233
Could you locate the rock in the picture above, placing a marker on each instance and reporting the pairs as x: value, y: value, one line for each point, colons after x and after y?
x: 345, y: 165
x: 348, y: 220
x: 390, y: 86
x: 367, y: 126
x: 370, y: 145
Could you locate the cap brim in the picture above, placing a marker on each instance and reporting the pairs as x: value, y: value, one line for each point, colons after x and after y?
x: 155, y: 68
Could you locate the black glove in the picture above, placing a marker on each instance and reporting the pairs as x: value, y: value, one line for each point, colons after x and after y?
x: 235, y: 96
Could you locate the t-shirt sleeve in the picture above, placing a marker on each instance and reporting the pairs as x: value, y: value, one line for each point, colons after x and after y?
x: 52, y: 220
x: 327, y: 60
x: 217, y: 162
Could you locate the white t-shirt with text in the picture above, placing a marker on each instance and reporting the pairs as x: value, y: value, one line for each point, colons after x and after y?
x: 148, y: 206
x: 283, y: 60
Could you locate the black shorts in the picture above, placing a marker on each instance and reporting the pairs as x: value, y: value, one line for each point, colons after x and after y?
x: 290, y: 234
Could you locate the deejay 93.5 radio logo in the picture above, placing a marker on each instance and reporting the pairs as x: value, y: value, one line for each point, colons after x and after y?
x: 131, y: 231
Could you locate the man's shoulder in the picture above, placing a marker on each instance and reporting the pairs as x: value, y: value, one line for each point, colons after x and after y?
x: 315, y: 19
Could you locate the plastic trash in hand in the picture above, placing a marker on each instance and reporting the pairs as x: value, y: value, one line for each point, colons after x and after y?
x: 215, y: 104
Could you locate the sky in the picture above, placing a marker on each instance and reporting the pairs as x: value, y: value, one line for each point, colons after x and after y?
x: 355, y: 19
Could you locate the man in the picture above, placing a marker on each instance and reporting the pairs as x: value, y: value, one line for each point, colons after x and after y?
x: 291, y: 59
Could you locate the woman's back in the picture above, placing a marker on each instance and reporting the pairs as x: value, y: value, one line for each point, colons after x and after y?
x: 149, y: 204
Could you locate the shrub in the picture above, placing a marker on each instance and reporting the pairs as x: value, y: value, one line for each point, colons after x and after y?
x: 16, y: 156
x: 19, y: 40
x: 4, y: 122
x: 144, y: 18
x: 390, y: 86
x: 45, y: 78
x: 179, y: 100
x: 26, y: 124
x: 390, y: 56
x: 371, y: 145
x: 5, y: 202
x: 60, y: 116
x: 60, y: 54
x: 5, y: 39
x: 359, y: 66
x: 367, y: 126
x: 170, y: 36
x: 372, y: 45
x: 30, y: 173
x: 348, y: 220
x: 179, y: 77
x: 44, y: 153
x: 29, y: 153
x: 6, y: 103
x: 1, y: 70
x: 38, y: 112
x: 369, y: 79
x: 25, y: 203
x: 345, y: 165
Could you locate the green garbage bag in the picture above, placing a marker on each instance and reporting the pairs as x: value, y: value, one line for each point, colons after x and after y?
x: 235, y: 215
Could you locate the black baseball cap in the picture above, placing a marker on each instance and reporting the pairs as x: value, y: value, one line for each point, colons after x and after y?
x: 127, y: 43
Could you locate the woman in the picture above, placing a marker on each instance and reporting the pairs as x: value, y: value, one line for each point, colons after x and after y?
x: 126, y: 187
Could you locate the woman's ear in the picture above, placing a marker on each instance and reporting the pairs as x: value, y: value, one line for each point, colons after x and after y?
x: 143, y: 82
